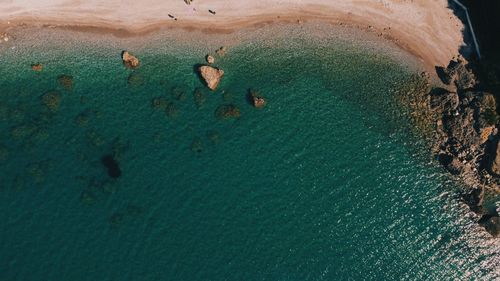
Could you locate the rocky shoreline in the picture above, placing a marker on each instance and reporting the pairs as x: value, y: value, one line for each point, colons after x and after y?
x: 466, y: 139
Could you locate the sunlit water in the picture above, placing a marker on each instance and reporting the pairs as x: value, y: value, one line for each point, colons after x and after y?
x: 327, y: 182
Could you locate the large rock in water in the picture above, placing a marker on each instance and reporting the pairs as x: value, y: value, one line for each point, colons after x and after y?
x: 130, y: 60
x: 211, y: 75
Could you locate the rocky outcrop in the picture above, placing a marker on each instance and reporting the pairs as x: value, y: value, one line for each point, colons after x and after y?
x: 211, y: 76
x: 130, y: 60
x: 466, y: 138
x: 458, y: 74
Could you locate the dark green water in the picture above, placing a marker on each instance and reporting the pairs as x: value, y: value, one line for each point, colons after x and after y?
x: 324, y: 183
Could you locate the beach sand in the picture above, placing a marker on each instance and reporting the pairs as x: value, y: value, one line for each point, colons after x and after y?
x: 426, y: 28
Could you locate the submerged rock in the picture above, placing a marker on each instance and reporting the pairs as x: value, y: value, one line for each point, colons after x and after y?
x: 135, y: 79
x: 227, y: 111
x: 111, y: 165
x: 159, y: 103
x: 4, y: 153
x: 66, y: 81
x: 197, y: 145
x: 221, y: 51
x: 52, y: 100
x: 199, y: 97
x: 130, y: 60
x: 171, y: 110
x: 211, y: 76
x: 87, y: 197
x: 178, y: 93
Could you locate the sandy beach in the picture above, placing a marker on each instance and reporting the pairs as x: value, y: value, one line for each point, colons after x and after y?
x: 428, y: 29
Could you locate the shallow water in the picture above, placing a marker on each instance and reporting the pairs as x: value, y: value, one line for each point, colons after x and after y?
x: 327, y: 182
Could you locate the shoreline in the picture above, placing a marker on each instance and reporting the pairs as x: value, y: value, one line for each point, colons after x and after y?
x: 430, y: 37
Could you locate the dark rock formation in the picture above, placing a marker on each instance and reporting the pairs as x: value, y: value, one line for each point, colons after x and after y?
x: 457, y: 73
x: 111, y: 165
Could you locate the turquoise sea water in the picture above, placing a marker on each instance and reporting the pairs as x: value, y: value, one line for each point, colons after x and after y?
x: 326, y: 182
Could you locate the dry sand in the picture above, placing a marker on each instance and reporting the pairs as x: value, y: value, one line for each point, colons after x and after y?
x: 426, y: 28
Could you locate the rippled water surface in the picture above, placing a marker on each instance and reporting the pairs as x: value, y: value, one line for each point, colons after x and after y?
x: 326, y: 182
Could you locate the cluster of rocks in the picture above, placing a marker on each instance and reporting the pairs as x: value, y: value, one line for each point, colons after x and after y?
x: 466, y: 134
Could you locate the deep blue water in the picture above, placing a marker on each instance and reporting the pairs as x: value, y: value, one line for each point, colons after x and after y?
x: 327, y: 182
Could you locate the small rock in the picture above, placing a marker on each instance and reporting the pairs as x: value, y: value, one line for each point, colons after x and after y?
x: 37, y: 67
x: 130, y: 60
x: 210, y: 59
x: 188, y: 2
x: 257, y: 100
x: 211, y: 75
